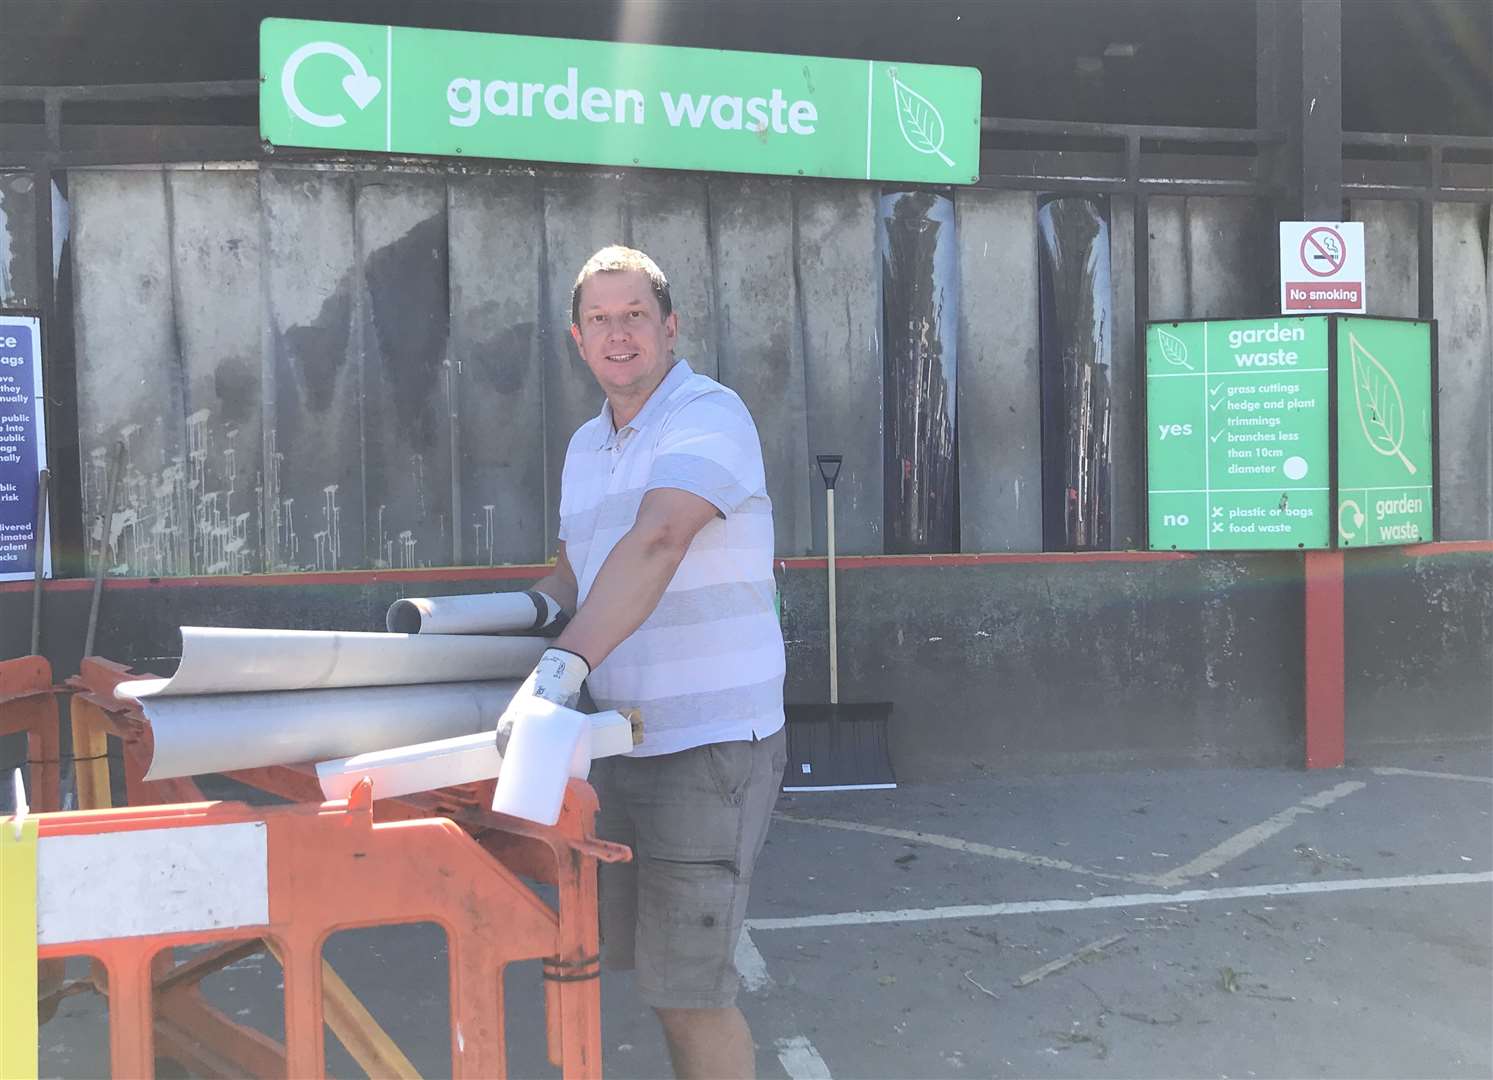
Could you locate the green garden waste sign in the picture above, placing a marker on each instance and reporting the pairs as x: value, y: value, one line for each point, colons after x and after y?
x: 1237, y: 433
x: 1385, y: 433
x: 1289, y: 433
x: 346, y: 86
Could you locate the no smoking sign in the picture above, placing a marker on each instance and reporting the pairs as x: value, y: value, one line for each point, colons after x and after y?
x: 1321, y: 266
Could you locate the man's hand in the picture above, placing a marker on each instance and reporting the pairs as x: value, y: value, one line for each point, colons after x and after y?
x: 555, y: 680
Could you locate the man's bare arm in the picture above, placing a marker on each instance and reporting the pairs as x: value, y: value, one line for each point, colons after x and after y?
x: 633, y: 579
x: 560, y: 584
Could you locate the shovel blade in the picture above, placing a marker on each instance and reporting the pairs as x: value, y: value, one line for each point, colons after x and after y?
x: 839, y: 747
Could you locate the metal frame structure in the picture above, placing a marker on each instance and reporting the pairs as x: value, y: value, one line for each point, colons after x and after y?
x: 1303, y: 166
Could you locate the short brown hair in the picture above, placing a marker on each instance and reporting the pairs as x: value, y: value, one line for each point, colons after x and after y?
x: 615, y: 259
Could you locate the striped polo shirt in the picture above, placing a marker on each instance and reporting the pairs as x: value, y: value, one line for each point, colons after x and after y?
x: 707, y: 665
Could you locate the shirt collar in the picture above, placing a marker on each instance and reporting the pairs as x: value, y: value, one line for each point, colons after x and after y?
x: 671, y: 382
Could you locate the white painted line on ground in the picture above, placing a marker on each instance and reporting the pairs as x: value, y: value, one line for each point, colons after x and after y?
x: 750, y: 965
x: 1390, y: 771
x: 1254, y: 836
x: 800, y: 1060
x: 969, y: 847
x: 1191, y: 896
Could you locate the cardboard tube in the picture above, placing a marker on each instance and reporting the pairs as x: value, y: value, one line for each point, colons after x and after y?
x: 480, y: 613
x: 221, y: 660
x: 208, y: 733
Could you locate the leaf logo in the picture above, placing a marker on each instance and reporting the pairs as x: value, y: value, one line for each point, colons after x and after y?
x: 1381, y: 408
x: 921, y: 124
x: 1173, y: 349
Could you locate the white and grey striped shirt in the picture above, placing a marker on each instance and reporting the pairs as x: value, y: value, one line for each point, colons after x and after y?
x: 707, y: 665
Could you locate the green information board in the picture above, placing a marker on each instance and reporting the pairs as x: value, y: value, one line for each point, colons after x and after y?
x: 1385, y: 432
x: 1237, y: 434
x: 344, y: 86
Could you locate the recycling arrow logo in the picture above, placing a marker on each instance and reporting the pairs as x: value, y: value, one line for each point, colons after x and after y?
x: 1355, y: 519
x: 359, y: 86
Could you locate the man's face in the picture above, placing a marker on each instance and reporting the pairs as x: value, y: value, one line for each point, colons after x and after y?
x: 623, y: 338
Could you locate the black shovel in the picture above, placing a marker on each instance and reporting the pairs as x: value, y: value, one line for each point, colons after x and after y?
x: 837, y: 747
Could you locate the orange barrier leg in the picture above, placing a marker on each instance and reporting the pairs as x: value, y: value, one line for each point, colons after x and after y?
x: 477, y: 1037
x: 579, y: 984
x: 131, y: 1025
x: 28, y: 705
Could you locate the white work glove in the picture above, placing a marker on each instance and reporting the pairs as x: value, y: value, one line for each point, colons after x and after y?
x: 555, y: 680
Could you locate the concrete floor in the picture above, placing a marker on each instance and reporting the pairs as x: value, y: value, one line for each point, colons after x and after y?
x: 1244, y: 923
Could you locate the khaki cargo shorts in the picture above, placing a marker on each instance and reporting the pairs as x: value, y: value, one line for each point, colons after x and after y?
x: 696, y: 821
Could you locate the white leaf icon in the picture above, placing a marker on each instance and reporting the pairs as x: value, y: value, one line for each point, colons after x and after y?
x: 921, y: 124
x: 1173, y: 349
x: 1381, y: 409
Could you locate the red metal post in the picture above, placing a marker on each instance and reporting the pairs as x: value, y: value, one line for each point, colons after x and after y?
x: 1324, y: 659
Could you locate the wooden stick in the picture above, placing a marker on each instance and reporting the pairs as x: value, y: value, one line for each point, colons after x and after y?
x: 1091, y: 949
x: 360, y: 1034
x: 834, y: 636
x: 116, y: 466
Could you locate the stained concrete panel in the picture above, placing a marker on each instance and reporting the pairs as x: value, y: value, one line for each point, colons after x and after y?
x: 581, y: 214
x: 130, y: 377
x: 313, y: 431
x: 18, y: 269
x: 1230, y: 251
x: 1418, y: 644
x: 840, y: 294
x: 215, y: 267
x: 1210, y: 257
x: 761, y: 343
x: 1127, y: 480
x: 670, y: 220
x: 999, y: 389
x: 1093, y: 665
x: 1169, y: 266
x: 407, y: 383
x: 495, y: 234
x: 1391, y: 255
x: 1465, y: 394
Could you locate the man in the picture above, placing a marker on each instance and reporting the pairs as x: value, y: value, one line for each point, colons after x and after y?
x: 666, y: 559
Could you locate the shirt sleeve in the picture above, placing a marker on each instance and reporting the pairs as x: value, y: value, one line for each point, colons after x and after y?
x: 709, y: 447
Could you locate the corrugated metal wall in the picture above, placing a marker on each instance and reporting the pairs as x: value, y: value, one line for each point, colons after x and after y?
x: 336, y: 368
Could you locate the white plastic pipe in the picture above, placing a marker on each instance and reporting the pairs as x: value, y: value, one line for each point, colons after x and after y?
x: 481, y: 613
x: 223, y: 660
x: 542, y: 747
x: 465, y: 759
x: 207, y: 733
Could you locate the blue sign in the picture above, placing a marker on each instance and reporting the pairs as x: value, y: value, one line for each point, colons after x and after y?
x: 23, y: 445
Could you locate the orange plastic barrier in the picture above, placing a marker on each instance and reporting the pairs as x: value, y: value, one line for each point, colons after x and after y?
x: 322, y: 880
x: 28, y: 704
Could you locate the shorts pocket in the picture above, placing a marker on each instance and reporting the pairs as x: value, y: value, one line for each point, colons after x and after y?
x: 730, y: 765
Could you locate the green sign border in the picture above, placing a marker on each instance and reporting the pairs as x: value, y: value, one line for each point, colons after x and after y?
x: 1435, y: 401
x: 840, y: 88
x: 1332, y: 429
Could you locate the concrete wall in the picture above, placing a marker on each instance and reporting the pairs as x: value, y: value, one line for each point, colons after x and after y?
x: 1053, y: 663
x: 279, y: 414
x: 1463, y: 250
x: 1419, y: 643
x: 321, y: 369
